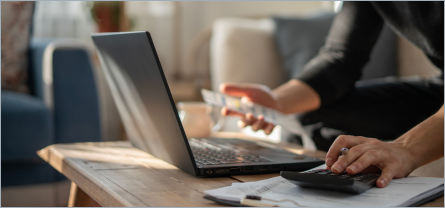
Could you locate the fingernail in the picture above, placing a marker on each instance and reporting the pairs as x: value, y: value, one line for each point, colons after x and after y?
x: 352, y: 167
x: 241, y: 124
x: 382, y: 181
x: 328, y: 160
x: 336, y: 167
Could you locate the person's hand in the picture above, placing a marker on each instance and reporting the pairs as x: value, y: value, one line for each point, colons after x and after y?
x: 370, y: 155
x: 251, y: 93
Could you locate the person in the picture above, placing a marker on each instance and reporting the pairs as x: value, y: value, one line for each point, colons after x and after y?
x: 408, y: 113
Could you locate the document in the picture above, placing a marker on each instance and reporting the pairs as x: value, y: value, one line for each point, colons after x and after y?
x: 270, y: 115
x: 400, y: 192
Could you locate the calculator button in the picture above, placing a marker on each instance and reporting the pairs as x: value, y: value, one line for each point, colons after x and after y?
x: 324, y: 172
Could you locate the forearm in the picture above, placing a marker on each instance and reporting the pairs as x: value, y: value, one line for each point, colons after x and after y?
x: 296, y: 96
x: 425, y: 141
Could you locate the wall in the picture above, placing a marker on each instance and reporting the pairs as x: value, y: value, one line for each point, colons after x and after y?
x: 411, y: 59
x: 193, y: 16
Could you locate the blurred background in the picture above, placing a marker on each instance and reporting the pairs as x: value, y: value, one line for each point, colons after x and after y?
x: 54, y: 89
x: 179, y: 30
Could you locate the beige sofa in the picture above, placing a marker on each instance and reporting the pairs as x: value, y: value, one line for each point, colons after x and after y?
x: 232, y: 59
x: 242, y: 50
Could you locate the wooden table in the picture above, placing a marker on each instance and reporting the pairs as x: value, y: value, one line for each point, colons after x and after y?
x: 117, y: 174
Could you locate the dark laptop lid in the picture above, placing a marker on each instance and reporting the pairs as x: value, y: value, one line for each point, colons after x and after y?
x: 139, y: 88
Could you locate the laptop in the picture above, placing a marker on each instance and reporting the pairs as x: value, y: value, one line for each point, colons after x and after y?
x: 144, y: 101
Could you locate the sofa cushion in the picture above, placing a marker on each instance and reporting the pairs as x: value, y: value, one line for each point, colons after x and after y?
x: 242, y: 50
x: 28, y: 172
x: 300, y: 39
x: 76, y: 106
x: 26, y: 126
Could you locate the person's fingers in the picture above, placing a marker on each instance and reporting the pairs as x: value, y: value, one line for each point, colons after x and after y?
x: 369, y: 156
x: 244, y: 122
x: 346, y: 162
x: 342, y: 141
x: 269, y: 128
x: 259, y: 124
x: 249, y: 119
x: 338, y: 167
x: 386, y: 177
x: 226, y: 112
x: 371, y: 169
x: 241, y: 123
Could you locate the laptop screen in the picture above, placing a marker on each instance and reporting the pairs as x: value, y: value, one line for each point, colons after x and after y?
x: 140, y: 91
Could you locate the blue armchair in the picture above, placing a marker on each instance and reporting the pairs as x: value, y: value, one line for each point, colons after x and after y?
x: 63, y: 108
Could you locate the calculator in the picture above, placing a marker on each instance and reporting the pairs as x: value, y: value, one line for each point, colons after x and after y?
x: 327, y: 180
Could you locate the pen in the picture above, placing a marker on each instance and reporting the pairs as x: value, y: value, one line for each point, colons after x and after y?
x: 254, y: 201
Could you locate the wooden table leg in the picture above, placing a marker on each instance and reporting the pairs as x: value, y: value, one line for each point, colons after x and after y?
x: 78, y: 198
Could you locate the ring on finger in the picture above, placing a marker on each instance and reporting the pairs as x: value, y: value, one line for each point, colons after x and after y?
x: 344, y: 150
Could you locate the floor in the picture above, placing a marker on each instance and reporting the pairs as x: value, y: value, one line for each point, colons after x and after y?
x: 39, y: 195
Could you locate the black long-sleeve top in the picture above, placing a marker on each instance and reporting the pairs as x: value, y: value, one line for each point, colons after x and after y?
x: 333, y: 72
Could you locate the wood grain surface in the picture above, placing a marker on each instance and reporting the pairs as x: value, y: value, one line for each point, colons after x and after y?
x: 117, y: 174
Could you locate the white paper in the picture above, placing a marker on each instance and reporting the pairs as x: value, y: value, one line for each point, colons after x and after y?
x: 270, y: 115
x: 398, y: 192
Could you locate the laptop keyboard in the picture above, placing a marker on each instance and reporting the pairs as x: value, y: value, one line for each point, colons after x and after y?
x: 210, y: 153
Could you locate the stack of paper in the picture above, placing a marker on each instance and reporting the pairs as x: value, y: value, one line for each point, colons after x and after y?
x: 410, y: 191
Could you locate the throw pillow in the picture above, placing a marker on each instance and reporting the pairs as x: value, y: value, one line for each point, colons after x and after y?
x: 300, y: 39
x: 16, y: 26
